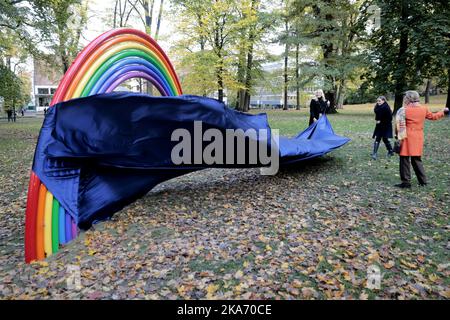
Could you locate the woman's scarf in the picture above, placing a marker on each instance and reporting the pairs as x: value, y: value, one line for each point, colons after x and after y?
x: 400, y: 120
x: 383, y: 112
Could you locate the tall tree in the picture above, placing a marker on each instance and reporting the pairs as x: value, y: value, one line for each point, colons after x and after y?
x: 432, y: 42
x: 16, y: 21
x: 255, y: 23
x: 224, y: 37
x: 148, y: 12
x: 394, y: 47
x: 59, y: 24
x: 286, y: 59
x: 297, y: 76
x: 285, y: 39
x: 218, y: 29
x: 158, y: 22
x: 13, y: 89
x: 335, y: 27
x: 248, y: 18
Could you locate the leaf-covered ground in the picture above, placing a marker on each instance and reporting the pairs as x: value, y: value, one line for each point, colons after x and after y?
x: 311, y: 232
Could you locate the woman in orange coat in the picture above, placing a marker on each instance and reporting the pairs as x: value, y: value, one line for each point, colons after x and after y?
x: 409, y: 128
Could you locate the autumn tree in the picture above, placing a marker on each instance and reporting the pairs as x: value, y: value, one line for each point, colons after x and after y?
x: 14, y: 88
x: 411, y: 46
x: 255, y: 22
x: 432, y: 42
x: 336, y: 28
x: 195, y: 61
x: 59, y: 25
x: 213, y: 32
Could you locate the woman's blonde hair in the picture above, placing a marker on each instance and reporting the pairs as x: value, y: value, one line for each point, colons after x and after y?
x: 318, y: 92
x: 411, y: 97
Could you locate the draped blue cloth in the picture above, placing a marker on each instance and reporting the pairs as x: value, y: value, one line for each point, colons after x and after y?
x: 100, y: 153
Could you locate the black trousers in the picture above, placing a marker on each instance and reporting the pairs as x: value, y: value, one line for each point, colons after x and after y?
x: 405, y: 169
x: 385, y: 140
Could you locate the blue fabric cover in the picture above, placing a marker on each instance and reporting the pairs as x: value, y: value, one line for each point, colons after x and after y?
x: 100, y: 153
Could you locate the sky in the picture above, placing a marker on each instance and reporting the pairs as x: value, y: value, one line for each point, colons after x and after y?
x: 99, y: 10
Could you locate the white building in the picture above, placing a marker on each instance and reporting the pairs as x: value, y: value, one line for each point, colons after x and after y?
x: 267, y: 98
x: 45, y: 82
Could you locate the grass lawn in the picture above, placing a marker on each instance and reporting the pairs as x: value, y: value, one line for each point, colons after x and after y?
x: 311, y: 232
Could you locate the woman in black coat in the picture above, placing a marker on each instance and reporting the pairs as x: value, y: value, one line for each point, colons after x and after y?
x: 317, y: 107
x: 383, y: 129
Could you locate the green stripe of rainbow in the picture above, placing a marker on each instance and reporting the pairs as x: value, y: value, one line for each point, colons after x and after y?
x: 110, y: 59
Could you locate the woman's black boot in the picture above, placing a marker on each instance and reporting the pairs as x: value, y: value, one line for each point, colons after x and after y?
x: 389, y: 148
x: 376, y: 145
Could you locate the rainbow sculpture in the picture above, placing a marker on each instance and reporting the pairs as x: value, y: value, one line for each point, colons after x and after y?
x: 108, y: 61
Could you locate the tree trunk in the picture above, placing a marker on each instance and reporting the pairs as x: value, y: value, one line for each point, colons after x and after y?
x: 148, y: 11
x: 158, y: 23
x: 330, y: 95
x: 297, y: 75
x: 202, y: 38
x: 427, y: 92
x: 327, y: 49
x: 249, y: 67
x: 240, y: 102
x: 286, y: 57
x: 247, y: 101
x: 218, y: 47
x: 202, y: 43
x: 400, y: 83
x: 340, y: 94
x: 14, y: 109
x: 285, y: 87
x: 115, y: 15
x: 248, y: 79
x: 220, y: 80
x: 220, y: 84
x: 65, y: 64
x: 240, y: 96
x: 120, y: 14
